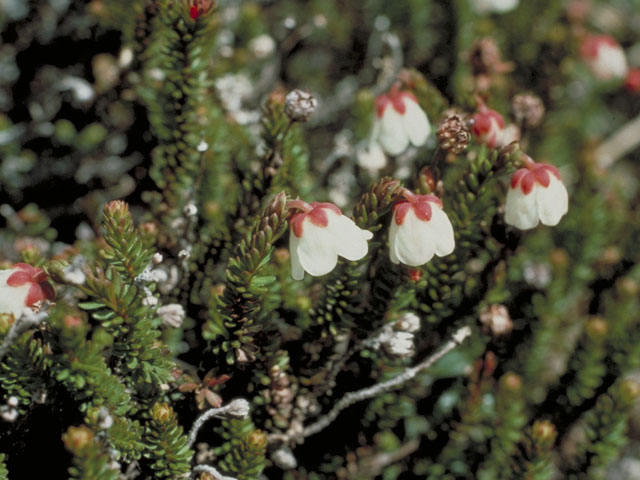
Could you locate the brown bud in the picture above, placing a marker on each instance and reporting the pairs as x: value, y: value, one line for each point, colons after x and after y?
x: 149, y: 229
x: 630, y: 389
x: 72, y: 321
x: 628, y: 287
x: 597, y: 327
x: 161, y: 412
x: 496, y: 320
x: 528, y: 110
x: 559, y: 258
x: 279, y: 203
x: 427, y: 180
x: 116, y: 207
x: 77, y: 438
x: 281, y: 255
x: 512, y: 382
x: 300, y: 105
x: 544, y: 433
x: 257, y: 439
x: 275, y: 98
x: 453, y: 134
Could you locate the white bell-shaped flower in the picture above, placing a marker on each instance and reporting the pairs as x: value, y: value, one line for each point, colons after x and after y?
x: 604, y: 57
x: 488, y: 127
x: 22, y: 286
x: 536, y: 195
x: 419, y: 229
x: 371, y: 157
x: 493, y: 6
x: 319, y: 233
x: 399, y: 121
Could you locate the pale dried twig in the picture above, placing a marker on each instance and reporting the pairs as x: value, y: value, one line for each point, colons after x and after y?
x: 353, y: 397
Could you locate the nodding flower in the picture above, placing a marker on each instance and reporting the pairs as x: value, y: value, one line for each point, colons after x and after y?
x: 604, y: 57
x: 319, y: 234
x: 419, y: 230
x: 536, y: 195
x: 399, y: 121
x: 23, y: 286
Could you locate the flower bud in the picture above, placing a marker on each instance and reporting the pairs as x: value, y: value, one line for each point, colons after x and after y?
x: 300, y: 105
x: 453, y: 134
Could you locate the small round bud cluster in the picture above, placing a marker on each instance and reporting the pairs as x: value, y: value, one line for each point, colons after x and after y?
x: 238, y: 408
x: 453, y: 134
x: 172, y: 315
x: 284, y: 458
x: 300, y: 105
x: 537, y: 274
x: 9, y: 412
x: 399, y: 344
x: 105, y: 420
x: 409, y: 322
x: 528, y: 110
x: 496, y: 320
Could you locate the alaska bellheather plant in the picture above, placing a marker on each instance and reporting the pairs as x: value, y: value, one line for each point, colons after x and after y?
x: 233, y: 247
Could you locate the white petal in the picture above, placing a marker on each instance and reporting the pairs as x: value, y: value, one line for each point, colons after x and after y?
x: 392, y: 136
x: 416, y: 123
x: 414, y: 241
x: 350, y: 240
x: 444, y: 240
x: 371, y: 157
x: 501, y: 6
x: 12, y: 299
x: 316, y: 249
x: 611, y: 62
x: 297, y: 272
x: 553, y: 201
x: 521, y: 209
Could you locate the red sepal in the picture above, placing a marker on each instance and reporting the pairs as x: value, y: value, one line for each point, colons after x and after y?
x: 535, y: 173
x: 17, y: 279
x: 296, y: 223
x: 194, y: 12
x: 483, y: 122
x: 421, y: 205
x: 316, y: 214
x: 400, y: 211
x: 632, y: 82
x: 396, y: 98
x: 591, y: 45
x: 422, y: 210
